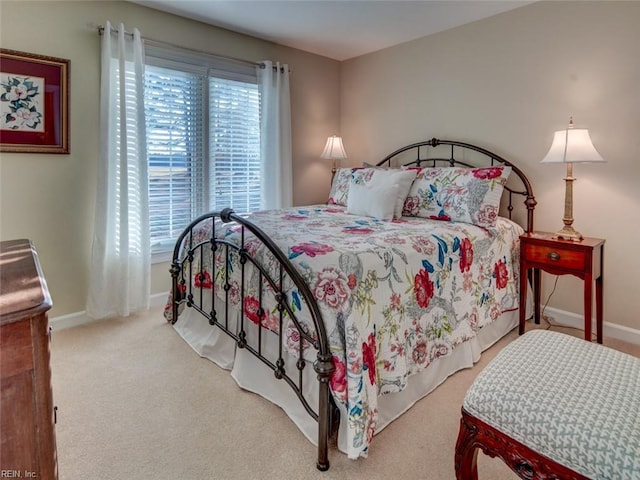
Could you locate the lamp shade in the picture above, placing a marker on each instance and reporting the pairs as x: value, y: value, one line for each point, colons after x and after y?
x: 333, y: 148
x: 572, y: 145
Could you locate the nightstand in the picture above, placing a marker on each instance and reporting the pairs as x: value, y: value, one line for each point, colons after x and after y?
x: 584, y: 259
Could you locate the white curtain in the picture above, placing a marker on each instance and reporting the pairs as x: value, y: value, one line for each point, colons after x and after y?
x: 120, y: 259
x: 275, y: 136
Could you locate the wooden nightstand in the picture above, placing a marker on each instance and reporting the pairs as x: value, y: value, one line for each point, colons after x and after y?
x: 584, y: 259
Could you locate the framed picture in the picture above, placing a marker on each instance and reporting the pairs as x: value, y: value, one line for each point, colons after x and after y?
x: 34, y: 103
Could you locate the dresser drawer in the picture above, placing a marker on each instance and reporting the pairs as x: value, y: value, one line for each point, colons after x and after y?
x: 553, y: 257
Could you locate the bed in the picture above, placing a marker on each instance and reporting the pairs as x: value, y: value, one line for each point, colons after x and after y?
x: 345, y: 314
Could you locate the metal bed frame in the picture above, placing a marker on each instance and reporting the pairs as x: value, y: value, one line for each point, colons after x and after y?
x: 185, y: 293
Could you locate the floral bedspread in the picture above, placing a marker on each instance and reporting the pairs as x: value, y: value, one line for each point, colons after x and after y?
x: 394, y: 295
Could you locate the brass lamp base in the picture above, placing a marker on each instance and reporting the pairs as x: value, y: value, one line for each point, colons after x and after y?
x: 568, y: 233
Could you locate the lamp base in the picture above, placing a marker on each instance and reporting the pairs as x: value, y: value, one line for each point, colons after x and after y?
x: 568, y: 233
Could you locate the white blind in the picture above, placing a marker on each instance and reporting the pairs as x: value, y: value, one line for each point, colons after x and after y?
x: 234, y: 145
x: 203, y: 139
x: 174, y: 103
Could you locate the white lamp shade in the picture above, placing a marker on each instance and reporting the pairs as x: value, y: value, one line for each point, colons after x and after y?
x: 572, y: 145
x: 334, y: 148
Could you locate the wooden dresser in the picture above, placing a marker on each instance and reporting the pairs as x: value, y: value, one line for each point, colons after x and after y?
x: 27, y: 418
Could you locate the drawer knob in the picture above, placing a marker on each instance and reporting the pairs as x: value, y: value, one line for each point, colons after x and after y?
x: 553, y: 256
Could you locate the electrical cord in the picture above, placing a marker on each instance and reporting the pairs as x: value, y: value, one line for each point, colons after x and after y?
x: 555, y: 284
x: 547, y: 319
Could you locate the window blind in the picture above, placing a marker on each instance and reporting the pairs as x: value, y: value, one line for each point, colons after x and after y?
x: 175, y: 149
x: 234, y: 145
x: 203, y: 140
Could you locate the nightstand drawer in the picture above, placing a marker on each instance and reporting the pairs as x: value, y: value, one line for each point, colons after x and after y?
x: 556, y: 257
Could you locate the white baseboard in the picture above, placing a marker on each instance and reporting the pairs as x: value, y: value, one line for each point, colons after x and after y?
x: 81, y: 318
x: 612, y: 330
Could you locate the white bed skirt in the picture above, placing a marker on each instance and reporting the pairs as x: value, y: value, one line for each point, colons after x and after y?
x: 253, y: 375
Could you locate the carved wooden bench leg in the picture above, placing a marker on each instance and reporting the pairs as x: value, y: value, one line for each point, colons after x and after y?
x: 466, y: 452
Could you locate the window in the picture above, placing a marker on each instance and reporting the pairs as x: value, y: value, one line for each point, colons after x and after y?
x: 203, y: 141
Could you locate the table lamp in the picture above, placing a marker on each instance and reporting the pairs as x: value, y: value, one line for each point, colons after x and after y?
x: 572, y: 145
x: 334, y: 150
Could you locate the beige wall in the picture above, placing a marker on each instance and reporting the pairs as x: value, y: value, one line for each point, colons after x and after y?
x: 507, y: 83
x: 50, y: 199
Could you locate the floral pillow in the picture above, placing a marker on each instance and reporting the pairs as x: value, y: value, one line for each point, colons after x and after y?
x: 340, y: 186
x: 469, y: 195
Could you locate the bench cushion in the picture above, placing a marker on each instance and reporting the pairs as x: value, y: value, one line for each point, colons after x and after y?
x: 576, y: 402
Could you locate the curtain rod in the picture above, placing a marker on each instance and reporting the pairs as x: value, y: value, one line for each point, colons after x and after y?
x: 171, y: 45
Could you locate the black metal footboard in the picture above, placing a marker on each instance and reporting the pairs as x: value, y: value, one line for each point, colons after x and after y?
x: 191, y: 285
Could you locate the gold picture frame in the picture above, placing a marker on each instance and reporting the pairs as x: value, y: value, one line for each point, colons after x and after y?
x: 34, y: 103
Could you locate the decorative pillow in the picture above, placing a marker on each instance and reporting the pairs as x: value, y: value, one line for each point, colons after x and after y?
x: 340, y: 186
x: 377, y: 178
x: 365, y: 199
x: 469, y: 195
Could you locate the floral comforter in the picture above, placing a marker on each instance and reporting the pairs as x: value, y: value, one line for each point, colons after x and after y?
x: 394, y: 295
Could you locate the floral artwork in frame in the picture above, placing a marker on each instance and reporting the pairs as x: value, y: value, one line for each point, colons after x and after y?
x: 34, y: 103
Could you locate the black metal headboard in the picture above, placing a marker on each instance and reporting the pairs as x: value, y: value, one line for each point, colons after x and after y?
x: 429, y: 153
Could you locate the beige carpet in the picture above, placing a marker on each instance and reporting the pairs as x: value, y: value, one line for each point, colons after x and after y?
x: 134, y: 401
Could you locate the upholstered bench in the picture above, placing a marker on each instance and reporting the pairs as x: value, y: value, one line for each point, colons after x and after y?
x: 553, y: 406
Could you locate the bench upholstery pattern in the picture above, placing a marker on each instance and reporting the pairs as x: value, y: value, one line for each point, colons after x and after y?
x: 572, y: 401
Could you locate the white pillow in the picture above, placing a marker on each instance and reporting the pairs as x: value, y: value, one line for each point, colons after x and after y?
x: 372, y: 201
x: 404, y: 180
x: 379, y: 180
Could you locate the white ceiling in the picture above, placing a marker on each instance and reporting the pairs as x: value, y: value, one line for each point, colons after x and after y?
x: 338, y: 29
